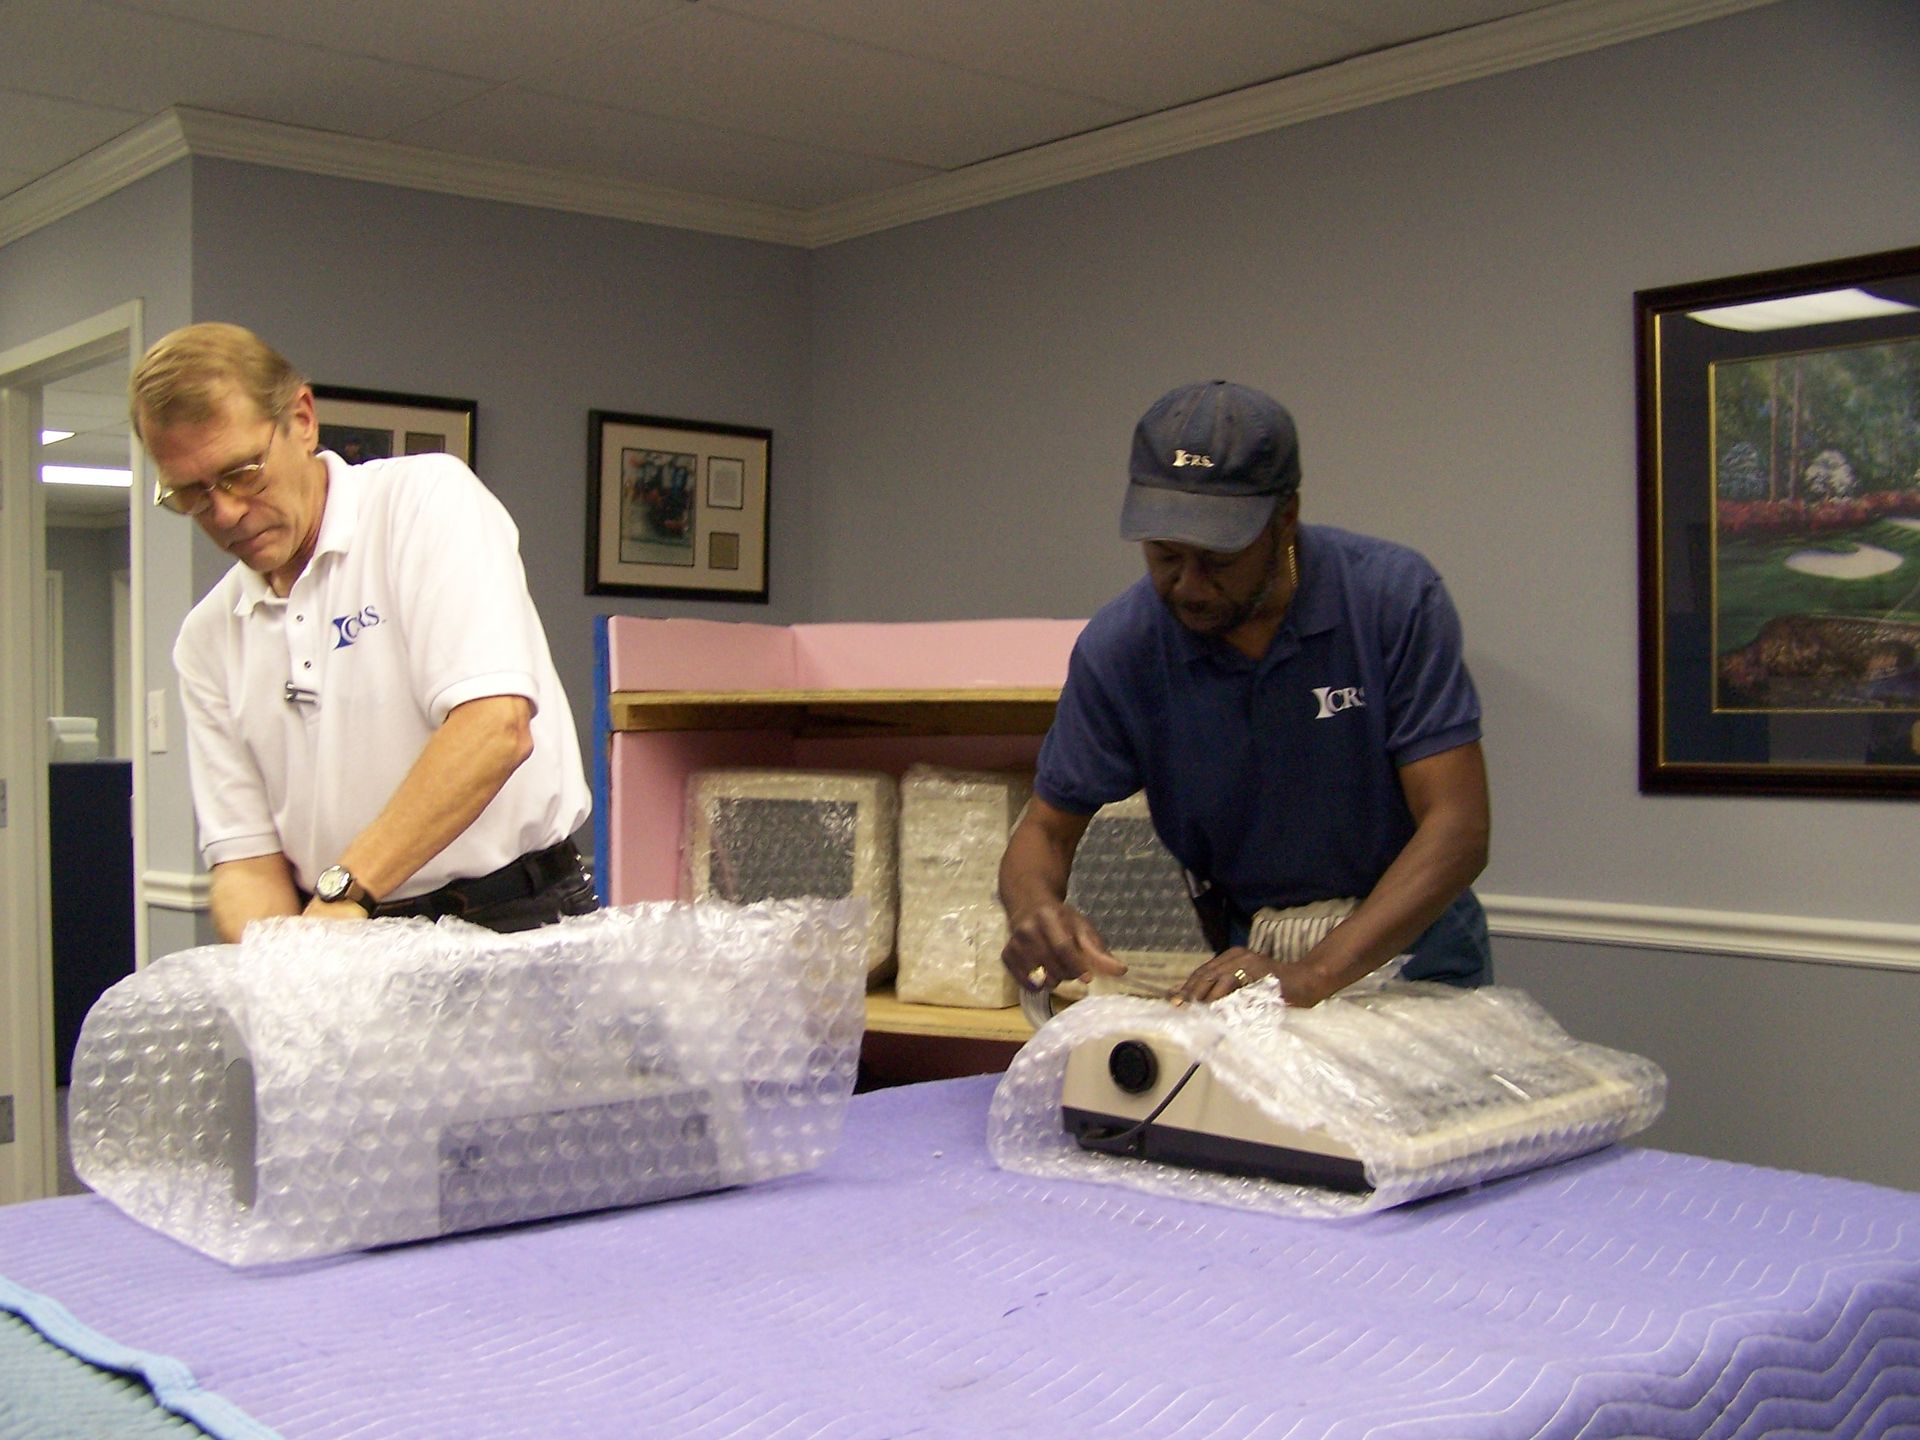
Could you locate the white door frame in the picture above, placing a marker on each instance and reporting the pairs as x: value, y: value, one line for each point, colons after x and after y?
x: 27, y: 1166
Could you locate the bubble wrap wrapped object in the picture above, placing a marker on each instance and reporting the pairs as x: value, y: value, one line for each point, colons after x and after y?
x: 953, y: 830
x: 754, y: 835
x: 326, y: 1087
x: 1386, y: 1092
x: 1134, y: 891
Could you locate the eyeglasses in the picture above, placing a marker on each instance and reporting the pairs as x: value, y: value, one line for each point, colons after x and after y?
x: 243, y: 481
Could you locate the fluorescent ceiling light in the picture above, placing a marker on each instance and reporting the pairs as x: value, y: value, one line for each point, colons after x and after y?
x: 54, y: 437
x: 1822, y: 308
x: 85, y: 475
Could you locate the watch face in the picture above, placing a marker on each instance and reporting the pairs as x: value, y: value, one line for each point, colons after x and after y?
x: 332, y: 884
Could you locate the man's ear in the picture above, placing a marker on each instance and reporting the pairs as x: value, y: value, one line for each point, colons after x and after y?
x: 302, y: 424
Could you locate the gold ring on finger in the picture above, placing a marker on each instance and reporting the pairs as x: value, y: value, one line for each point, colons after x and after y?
x: 1241, y: 976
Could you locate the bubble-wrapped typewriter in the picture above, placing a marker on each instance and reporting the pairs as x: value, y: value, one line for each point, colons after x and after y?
x: 324, y: 1087
x: 1383, y: 1094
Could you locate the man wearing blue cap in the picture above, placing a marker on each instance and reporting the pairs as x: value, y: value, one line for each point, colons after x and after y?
x: 1293, y: 700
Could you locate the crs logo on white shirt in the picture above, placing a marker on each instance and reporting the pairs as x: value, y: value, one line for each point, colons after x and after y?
x: 1334, y: 699
x: 349, y: 628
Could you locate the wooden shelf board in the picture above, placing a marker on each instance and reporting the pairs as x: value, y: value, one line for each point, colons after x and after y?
x: 1017, y: 711
x: 889, y: 1015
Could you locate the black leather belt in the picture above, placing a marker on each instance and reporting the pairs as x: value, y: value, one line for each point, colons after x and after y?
x: 515, y: 880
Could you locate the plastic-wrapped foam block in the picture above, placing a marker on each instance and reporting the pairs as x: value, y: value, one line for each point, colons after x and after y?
x: 953, y: 831
x: 755, y: 835
x: 1380, y: 1095
x: 323, y: 1087
x: 1135, y: 892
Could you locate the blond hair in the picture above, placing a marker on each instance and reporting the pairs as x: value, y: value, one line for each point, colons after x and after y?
x: 182, y: 377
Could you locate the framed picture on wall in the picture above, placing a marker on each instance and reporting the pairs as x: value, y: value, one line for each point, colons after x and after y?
x: 1779, y: 419
x: 379, y: 424
x: 676, y: 507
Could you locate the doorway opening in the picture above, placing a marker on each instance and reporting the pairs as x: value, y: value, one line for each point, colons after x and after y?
x: 71, y: 761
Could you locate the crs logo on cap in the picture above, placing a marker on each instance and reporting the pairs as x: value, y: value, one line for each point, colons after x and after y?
x: 1187, y: 457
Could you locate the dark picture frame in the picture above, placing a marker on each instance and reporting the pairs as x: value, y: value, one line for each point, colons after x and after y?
x: 677, y: 507
x: 361, y: 424
x: 1779, y: 438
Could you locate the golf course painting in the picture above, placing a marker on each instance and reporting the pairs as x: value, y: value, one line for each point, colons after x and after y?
x: 1816, y: 530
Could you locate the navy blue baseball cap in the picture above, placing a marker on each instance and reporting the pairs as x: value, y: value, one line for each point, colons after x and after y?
x: 1210, y: 463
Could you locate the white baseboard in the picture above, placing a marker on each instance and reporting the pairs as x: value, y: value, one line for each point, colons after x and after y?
x: 1717, y: 932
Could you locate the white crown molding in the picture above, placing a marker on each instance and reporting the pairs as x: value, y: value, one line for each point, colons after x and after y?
x: 113, y: 166
x: 1490, y: 49
x: 177, y: 890
x: 1712, y: 932
x: 318, y: 152
x: 1510, y: 44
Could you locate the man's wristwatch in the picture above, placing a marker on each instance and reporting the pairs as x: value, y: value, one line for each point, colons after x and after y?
x: 336, y: 883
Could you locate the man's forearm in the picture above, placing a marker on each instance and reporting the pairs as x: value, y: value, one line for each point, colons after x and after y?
x: 1033, y: 873
x: 253, y: 889
x: 1425, y: 878
x: 1447, y: 794
x: 470, y: 757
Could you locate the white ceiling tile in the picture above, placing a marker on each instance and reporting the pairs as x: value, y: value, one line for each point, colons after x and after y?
x: 584, y: 138
x: 1143, y: 55
x: 44, y: 133
x: 797, y: 103
x: 145, y: 63
x: 493, y: 39
x: 755, y: 77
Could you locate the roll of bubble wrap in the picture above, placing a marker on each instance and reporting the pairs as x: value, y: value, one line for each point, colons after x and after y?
x: 953, y: 830
x: 323, y: 1087
x: 755, y: 835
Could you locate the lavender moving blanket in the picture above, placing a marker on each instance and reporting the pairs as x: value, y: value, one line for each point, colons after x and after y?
x: 909, y: 1289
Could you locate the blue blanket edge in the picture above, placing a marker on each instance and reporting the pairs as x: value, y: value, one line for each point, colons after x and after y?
x: 172, y: 1383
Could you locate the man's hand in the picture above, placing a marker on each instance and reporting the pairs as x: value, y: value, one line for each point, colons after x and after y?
x: 1302, y: 984
x: 318, y: 909
x: 1054, y: 942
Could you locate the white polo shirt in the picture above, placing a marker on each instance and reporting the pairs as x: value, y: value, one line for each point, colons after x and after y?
x: 304, y: 714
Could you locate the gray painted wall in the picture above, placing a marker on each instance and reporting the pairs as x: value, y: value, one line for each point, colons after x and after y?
x: 1440, y: 287
x: 538, y: 316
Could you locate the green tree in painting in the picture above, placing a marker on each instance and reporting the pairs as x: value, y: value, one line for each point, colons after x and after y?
x: 1784, y: 421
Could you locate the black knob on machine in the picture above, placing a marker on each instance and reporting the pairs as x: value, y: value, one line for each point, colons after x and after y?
x: 1133, y: 1066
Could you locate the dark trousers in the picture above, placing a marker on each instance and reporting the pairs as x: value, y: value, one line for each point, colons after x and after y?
x: 524, y: 894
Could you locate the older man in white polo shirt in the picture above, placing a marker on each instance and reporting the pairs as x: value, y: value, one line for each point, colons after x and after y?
x: 374, y: 723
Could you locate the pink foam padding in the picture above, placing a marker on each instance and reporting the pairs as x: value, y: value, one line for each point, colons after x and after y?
x: 698, y: 655
x: 647, y: 771
x: 933, y: 655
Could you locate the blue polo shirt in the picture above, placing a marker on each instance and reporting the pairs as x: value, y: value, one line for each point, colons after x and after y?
x: 1277, y: 779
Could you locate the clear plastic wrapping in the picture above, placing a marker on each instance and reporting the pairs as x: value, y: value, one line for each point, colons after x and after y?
x: 323, y: 1087
x: 953, y: 830
x: 1134, y: 891
x: 1387, y: 1092
x: 754, y: 835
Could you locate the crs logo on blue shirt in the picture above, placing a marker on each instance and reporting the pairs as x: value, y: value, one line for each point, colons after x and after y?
x: 349, y: 628
x: 1333, y: 700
